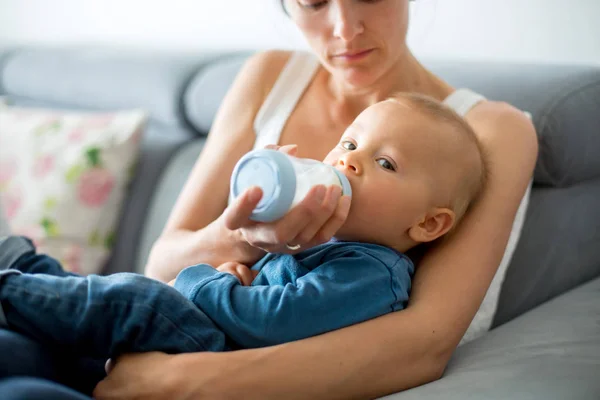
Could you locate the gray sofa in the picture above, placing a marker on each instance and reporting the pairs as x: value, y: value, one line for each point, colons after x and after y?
x: 546, y: 338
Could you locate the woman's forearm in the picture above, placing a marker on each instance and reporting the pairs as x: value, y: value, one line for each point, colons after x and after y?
x: 343, y: 364
x: 178, y: 249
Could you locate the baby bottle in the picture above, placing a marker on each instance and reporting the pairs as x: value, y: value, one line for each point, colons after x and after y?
x: 284, y: 180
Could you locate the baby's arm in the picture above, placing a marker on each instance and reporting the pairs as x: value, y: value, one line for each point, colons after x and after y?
x: 352, y: 287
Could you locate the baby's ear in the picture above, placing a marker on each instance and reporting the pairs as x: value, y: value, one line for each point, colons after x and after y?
x: 434, y: 224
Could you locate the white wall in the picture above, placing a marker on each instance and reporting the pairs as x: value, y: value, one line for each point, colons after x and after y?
x: 525, y: 30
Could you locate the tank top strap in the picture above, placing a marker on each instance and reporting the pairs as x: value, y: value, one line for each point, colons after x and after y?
x: 463, y: 100
x: 281, y: 101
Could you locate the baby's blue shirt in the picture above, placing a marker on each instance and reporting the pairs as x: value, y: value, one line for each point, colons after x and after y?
x: 296, y: 296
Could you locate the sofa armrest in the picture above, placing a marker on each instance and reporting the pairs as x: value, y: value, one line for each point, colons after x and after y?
x: 551, y: 352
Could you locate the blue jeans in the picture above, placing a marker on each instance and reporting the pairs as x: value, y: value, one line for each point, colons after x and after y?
x: 22, y: 357
x: 27, y: 388
x: 97, y: 316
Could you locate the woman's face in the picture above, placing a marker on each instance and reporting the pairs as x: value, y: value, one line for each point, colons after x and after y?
x: 357, y: 40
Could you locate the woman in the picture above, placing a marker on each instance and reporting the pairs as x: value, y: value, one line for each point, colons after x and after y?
x: 282, y: 98
x: 361, y: 47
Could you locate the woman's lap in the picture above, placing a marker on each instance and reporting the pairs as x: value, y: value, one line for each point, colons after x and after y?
x: 23, y: 357
x: 27, y: 388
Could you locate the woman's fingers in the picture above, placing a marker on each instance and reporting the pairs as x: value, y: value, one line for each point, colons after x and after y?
x: 327, y: 210
x: 313, y: 221
x: 298, y: 218
x: 290, y: 149
x: 334, y: 223
x: 237, y: 215
x: 272, y: 237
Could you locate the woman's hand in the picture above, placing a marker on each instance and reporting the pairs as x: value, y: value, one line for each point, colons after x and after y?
x: 145, y: 376
x: 188, y: 376
x: 313, y: 221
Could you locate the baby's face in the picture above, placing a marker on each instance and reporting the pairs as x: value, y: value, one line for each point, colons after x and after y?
x: 389, y: 156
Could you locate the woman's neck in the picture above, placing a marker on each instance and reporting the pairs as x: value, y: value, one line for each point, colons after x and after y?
x: 406, y: 75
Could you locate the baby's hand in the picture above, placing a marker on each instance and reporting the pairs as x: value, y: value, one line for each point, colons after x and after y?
x: 244, y: 274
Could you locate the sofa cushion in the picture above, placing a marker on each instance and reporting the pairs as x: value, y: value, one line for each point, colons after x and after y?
x: 4, y: 55
x: 63, y: 178
x: 563, y: 100
x: 160, y: 143
x: 558, y: 249
x: 207, y: 89
x: 166, y: 192
x: 102, y: 79
x: 549, y: 353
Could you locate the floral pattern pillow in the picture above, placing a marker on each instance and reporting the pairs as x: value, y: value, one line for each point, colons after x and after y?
x: 63, y: 178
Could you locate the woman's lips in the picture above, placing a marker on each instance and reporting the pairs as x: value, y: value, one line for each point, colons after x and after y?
x: 353, y: 55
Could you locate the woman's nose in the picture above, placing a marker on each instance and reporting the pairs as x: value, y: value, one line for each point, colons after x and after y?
x: 347, y: 21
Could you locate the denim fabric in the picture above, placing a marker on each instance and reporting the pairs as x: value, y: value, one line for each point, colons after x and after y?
x: 102, y: 316
x: 27, y: 388
x: 321, y: 289
x: 324, y: 288
x: 22, y: 356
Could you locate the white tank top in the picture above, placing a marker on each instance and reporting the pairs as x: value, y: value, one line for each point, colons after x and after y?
x: 279, y: 105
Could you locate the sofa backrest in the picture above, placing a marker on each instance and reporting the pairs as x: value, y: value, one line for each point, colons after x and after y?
x: 558, y: 249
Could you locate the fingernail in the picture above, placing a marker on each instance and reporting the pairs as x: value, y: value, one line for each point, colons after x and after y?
x: 255, y: 194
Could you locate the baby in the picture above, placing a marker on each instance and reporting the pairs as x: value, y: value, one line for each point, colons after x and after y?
x: 415, y: 167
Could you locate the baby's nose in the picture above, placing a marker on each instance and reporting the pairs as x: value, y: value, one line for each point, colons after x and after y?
x: 348, y: 163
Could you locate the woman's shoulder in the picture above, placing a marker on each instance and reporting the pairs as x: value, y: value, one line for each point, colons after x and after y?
x: 250, y: 88
x: 263, y: 68
x: 501, y: 127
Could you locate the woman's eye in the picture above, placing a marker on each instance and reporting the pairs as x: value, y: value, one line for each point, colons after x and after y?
x: 386, y: 164
x: 315, y: 5
x: 348, y: 145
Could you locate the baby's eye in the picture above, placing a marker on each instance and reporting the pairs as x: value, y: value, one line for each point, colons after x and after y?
x: 386, y: 164
x: 348, y: 145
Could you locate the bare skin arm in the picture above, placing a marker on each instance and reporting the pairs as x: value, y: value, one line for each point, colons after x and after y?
x: 385, y: 355
x: 189, y: 237
x: 198, y: 231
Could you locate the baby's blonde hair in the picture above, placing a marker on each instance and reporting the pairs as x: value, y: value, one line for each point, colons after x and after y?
x: 470, y: 186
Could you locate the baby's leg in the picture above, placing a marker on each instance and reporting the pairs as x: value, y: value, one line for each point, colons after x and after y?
x: 106, y: 316
x: 17, y: 253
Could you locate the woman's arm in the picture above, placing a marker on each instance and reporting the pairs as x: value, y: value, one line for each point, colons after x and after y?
x: 194, y: 233
x: 199, y: 232
x: 391, y: 353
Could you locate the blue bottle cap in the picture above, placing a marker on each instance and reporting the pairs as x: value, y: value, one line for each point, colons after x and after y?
x: 274, y: 173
